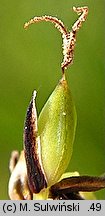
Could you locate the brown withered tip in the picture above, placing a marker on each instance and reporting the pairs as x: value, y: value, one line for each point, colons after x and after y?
x: 68, y: 37
x: 32, y: 148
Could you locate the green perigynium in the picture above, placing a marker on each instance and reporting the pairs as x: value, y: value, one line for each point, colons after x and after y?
x: 56, y: 128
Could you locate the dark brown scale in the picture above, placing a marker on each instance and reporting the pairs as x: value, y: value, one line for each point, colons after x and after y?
x: 36, y: 176
x: 69, y: 188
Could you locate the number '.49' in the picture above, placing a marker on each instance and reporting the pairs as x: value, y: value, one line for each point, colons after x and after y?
x: 95, y: 206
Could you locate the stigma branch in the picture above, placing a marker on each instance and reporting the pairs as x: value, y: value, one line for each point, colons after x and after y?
x: 69, y: 37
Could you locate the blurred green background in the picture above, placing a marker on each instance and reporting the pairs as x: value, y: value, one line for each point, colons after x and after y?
x: 31, y: 60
